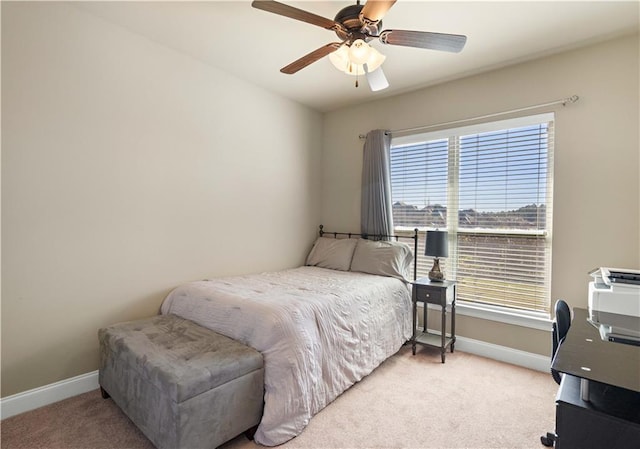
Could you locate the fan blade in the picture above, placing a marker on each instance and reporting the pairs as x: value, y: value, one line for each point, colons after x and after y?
x: 310, y: 58
x: 376, y: 79
x: 422, y: 39
x: 374, y: 10
x: 297, y: 14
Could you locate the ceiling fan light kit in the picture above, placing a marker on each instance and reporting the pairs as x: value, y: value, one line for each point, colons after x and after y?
x: 344, y: 59
x: 356, y: 25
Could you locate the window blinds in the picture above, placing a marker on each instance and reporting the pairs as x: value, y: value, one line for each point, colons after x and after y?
x: 419, y: 184
x: 490, y: 186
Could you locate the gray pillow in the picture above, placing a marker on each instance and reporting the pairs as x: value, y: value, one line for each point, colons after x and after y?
x: 332, y: 253
x: 384, y: 258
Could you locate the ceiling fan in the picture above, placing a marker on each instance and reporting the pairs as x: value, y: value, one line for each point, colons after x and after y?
x: 356, y: 25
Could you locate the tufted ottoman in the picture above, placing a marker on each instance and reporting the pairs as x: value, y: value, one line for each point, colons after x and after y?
x: 183, y: 385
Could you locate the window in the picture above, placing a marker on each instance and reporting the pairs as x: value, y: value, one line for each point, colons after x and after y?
x: 490, y: 186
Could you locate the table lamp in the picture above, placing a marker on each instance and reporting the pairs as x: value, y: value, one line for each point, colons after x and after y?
x: 436, y: 246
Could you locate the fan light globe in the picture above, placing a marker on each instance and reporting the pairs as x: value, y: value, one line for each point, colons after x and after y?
x: 375, y: 59
x: 340, y: 58
x: 359, y: 52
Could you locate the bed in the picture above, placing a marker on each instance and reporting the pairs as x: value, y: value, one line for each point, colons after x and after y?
x: 320, y: 327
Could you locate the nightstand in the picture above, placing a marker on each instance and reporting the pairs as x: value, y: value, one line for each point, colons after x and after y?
x: 442, y: 294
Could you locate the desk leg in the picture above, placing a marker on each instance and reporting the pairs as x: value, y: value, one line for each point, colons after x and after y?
x: 443, y: 348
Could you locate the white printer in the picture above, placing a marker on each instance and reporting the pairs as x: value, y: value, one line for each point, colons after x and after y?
x: 614, y: 304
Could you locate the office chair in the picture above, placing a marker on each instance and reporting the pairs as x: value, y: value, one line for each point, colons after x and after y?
x: 561, y: 325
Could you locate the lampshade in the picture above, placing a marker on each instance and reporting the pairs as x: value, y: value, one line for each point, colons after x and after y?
x: 437, y: 244
x: 347, y: 59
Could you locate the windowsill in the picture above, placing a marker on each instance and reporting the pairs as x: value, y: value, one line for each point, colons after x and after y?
x: 527, y: 319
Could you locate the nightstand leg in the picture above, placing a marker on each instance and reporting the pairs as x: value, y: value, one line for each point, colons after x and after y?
x: 415, y: 320
x: 453, y: 322
x: 424, y: 316
x: 443, y: 348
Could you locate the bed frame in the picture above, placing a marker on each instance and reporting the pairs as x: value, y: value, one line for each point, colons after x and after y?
x: 349, y: 235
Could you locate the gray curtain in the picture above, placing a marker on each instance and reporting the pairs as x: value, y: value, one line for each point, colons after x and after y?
x: 376, y: 217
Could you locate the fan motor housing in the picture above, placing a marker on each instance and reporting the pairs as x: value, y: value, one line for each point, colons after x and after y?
x: 349, y: 17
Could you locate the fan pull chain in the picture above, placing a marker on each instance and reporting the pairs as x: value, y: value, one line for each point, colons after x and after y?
x: 350, y: 70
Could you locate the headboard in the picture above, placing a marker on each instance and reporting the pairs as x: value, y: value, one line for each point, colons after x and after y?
x: 414, y: 237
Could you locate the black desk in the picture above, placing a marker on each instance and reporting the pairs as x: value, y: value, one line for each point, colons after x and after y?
x: 584, y: 354
x: 607, y: 414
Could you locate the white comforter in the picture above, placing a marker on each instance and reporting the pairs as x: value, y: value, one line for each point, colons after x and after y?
x: 319, y: 331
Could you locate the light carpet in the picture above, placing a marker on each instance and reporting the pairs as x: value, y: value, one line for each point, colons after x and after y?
x: 407, y: 402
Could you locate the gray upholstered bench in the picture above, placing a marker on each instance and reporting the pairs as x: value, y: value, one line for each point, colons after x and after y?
x: 183, y: 385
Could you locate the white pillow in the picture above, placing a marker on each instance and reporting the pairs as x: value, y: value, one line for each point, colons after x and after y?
x: 328, y: 252
x: 384, y: 258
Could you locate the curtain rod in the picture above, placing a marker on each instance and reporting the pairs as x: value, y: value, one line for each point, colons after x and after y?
x: 563, y: 102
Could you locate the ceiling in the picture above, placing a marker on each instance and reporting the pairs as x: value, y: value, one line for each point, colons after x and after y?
x: 254, y: 44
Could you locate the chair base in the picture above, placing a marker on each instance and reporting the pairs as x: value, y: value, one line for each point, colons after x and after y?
x: 549, y: 439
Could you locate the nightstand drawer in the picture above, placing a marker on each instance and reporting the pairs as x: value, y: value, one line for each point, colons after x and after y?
x: 431, y: 295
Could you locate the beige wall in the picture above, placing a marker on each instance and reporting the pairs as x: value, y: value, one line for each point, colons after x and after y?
x: 127, y: 169
x: 597, y: 164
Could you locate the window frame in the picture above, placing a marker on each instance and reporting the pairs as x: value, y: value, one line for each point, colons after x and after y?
x: 522, y: 317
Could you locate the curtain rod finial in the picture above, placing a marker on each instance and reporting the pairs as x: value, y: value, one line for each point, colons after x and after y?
x: 571, y: 99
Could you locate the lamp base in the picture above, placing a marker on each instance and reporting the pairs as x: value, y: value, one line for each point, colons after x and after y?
x: 435, y: 274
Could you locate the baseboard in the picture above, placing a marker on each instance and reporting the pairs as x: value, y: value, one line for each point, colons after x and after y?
x: 48, y: 394
x: 504, y: 354
x: 501, y: 353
